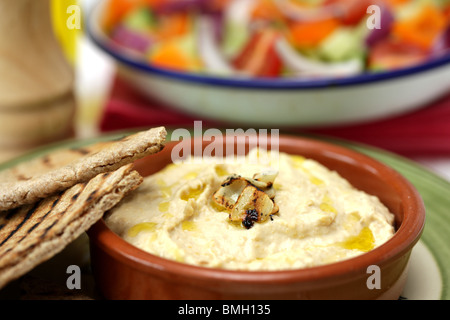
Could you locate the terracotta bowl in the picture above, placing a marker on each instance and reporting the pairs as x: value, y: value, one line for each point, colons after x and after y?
x: 123, y: 271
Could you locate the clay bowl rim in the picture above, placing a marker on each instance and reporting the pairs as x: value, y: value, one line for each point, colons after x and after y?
x: 404, y: 239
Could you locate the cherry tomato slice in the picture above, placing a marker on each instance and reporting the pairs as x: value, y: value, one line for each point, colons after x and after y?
x: 259, y: 57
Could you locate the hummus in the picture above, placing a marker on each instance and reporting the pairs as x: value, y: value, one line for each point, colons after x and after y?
x: 320, y: 217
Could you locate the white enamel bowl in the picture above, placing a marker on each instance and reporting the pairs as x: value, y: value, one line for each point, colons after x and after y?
x: 282, y: 102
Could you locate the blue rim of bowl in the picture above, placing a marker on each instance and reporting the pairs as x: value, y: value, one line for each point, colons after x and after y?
x: 253, y: 83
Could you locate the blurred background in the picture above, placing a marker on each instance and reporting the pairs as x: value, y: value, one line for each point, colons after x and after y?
x: 79, y: 69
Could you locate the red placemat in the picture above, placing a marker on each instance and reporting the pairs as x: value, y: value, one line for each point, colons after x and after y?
x: 425, y: 132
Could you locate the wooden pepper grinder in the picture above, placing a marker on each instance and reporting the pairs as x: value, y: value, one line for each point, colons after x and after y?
x: 37, y: 103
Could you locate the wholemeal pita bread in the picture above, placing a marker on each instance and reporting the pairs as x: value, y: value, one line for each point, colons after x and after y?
x: 32, y: 234
x: 49, y: 161
x: 45, y: 176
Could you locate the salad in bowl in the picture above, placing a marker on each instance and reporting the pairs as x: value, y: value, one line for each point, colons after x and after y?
x: 283, y: 63
x: 280, y: 38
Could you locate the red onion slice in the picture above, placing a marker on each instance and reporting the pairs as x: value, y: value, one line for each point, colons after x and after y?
x: 386, y: 21
x: 240, y: 11
x: 131, y: 39
x: 208, y: 47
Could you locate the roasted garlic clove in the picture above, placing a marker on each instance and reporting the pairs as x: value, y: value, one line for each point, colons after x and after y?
x: 253, y: 205
x: 268, y: 177
x: 229, y: 191
x: 248, y: 200
x: 265, y: 181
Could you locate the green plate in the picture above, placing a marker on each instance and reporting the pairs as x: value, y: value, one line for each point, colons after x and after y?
x: 428, y: 277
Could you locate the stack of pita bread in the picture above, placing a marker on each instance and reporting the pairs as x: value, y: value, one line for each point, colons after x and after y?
x: 48, y: 202
x: 37, y: 103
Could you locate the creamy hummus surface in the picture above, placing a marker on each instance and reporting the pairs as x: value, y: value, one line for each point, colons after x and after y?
x: 319, y: 217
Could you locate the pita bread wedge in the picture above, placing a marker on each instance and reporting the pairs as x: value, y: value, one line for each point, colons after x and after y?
x: 34, y: 233
x: 48, y: 175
